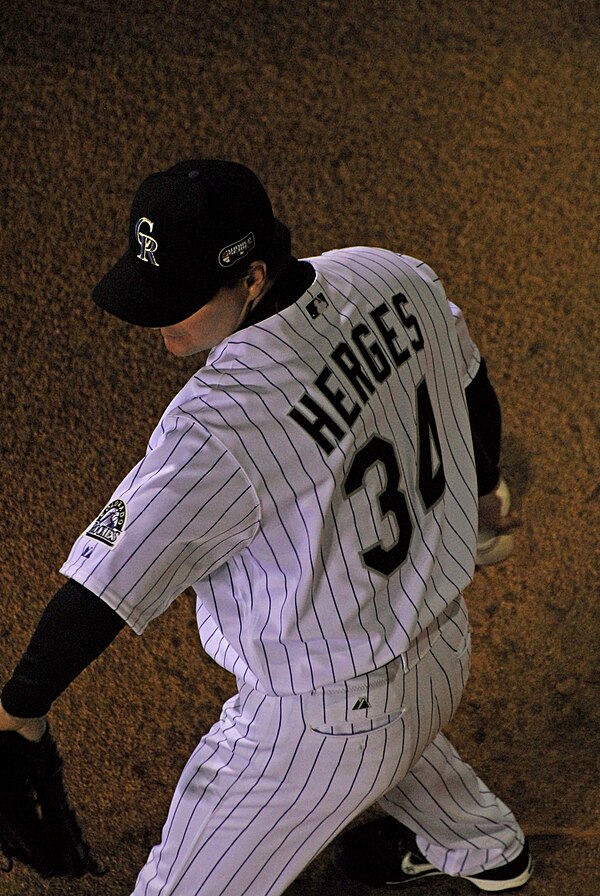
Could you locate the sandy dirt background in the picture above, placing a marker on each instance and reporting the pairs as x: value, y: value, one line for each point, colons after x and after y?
x: 464, y: 133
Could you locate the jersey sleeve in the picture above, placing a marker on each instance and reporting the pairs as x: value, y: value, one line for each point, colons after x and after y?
x: 470, y: 357
x: 183, y: 511
x: 469, y: 353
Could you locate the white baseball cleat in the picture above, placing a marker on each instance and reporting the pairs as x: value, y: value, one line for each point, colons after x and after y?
x: 384, y: 853
x: 492, y: 548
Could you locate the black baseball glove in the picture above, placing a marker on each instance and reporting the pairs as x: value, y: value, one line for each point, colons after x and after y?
x: 38, y: 826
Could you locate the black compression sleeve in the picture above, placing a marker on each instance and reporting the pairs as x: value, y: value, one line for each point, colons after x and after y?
x: 74, y: 629
x: 486, y: 429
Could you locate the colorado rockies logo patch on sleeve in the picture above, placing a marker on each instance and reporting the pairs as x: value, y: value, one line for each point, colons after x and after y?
x: 110, y: 524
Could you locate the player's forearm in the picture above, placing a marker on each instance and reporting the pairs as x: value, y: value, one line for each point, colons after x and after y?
x: 486, y: 429
x: 74, y: 629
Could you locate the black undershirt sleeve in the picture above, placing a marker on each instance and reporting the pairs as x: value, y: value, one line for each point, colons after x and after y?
x: 74, y: 629
x: 486, y: 429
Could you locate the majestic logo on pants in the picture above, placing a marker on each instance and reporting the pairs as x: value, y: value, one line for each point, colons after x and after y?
x: 361, y: 703
x: 148, y: 244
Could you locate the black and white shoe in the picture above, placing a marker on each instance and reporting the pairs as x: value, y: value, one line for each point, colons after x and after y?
x: 384, y: 853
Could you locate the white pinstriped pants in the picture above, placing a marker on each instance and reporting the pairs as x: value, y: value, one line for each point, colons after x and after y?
x: 276, y: 779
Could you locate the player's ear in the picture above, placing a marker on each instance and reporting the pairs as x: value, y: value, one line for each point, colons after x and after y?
x: 256, y: 279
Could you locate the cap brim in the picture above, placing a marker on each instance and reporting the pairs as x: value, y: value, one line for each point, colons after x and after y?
x: 125, y: 293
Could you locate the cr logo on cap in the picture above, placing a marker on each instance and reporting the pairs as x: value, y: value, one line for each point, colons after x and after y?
x: 148, y: 244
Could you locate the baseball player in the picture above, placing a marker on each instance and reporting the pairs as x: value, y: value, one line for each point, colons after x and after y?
x: 317, y: 484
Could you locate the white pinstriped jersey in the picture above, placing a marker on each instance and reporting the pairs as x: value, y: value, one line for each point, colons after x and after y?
x: 314, y: 483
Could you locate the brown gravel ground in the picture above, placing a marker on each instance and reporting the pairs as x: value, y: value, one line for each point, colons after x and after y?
x: 465, y: 133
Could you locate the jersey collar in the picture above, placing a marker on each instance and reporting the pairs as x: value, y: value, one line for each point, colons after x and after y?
x: 291, y: 284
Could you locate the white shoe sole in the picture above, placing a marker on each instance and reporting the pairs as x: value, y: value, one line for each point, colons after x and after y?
x: 498, y: 886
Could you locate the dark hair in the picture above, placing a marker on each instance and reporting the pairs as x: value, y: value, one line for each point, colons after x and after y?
x: 276, y: 256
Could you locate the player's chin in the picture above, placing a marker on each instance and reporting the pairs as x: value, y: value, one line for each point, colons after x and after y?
x: 178, y: 347
x: 176, y: 350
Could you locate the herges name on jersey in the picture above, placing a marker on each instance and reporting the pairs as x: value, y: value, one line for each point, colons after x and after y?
x: 376, y: 346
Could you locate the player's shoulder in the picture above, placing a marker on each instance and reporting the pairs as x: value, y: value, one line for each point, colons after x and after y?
x: 358, y: 253
x: 362, y: 254
x: 182, y: 419
x: 376, y: 263
x: 421, y: 268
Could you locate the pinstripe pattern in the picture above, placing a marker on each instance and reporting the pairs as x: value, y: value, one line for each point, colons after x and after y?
x: 315, y: 484
x: 277, y: 778
x: 237, y: 500
x: 462, y: 827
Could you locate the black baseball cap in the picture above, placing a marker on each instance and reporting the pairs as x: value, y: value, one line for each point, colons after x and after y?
x: 190, y: 227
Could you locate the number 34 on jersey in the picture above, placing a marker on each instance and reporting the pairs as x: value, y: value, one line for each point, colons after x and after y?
x: 366, y: 365
x: 391, y: 499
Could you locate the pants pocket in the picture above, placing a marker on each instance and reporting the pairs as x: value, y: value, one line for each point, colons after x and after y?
x: 358, y: 706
